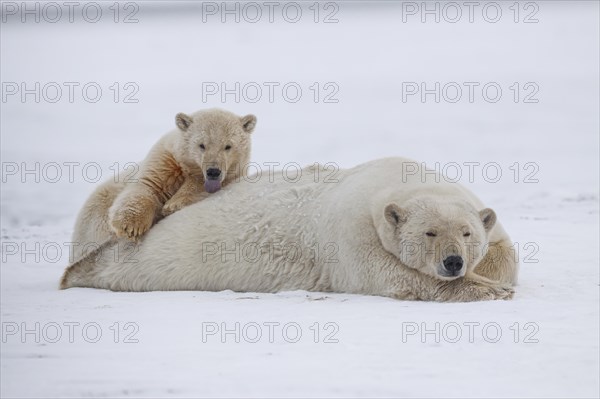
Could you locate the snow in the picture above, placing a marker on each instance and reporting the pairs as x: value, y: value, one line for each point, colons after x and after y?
x: 368, y: 54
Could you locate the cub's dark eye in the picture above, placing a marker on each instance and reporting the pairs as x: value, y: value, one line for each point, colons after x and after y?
x: 430, y: 234
x: 227, y: 147
x: 202, y: 146
x: 466, y: 234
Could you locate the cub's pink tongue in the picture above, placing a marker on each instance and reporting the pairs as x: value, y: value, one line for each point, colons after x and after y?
x: 212, y: 186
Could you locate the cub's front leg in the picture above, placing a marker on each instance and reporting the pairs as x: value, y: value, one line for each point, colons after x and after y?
x: 191, y: 191
x: 134, y: 211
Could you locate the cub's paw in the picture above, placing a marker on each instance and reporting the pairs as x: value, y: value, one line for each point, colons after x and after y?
x: 173, y: 206
x: 132, y: 222
x: 177, y: 203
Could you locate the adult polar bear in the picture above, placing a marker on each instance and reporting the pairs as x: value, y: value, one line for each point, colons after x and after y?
x: 376, y: 230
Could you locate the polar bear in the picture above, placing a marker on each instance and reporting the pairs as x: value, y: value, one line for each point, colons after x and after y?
x: 374, y: 230
x: 208, y: 150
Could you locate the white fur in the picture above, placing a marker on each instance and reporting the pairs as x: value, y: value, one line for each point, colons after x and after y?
x: 336, y: 228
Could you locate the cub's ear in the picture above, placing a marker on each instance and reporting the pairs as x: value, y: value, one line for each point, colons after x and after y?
x: 395, y: 215
x: 248, y: 123
x: 488, y: 218
x: 183, y: 121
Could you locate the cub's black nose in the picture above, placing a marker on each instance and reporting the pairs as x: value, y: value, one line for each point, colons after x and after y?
x: 213, y: 173
x: 453, y: 263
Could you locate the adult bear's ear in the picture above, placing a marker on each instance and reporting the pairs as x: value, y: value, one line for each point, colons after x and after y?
x: 248, y: 123
x: 488, y: 218
x: 183, y: 121
x: 395, y: 215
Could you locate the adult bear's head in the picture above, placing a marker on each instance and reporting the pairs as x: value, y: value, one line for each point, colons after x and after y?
x: 441, y: 238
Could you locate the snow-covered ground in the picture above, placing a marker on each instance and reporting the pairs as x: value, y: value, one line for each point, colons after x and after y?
x: 543, y: 343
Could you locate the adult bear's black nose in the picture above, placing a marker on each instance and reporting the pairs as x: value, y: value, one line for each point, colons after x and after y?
x: 453, y: 263
x: 213, y: 173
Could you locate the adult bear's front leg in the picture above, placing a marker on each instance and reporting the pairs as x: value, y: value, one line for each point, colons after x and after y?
x: 500, y: 263
x: 473, y: 288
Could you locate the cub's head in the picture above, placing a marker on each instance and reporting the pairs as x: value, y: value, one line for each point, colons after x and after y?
x: 443, y: 239
x: 217, y: 141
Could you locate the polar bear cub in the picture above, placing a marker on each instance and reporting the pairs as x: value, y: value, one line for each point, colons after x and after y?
x: 206, y: 152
